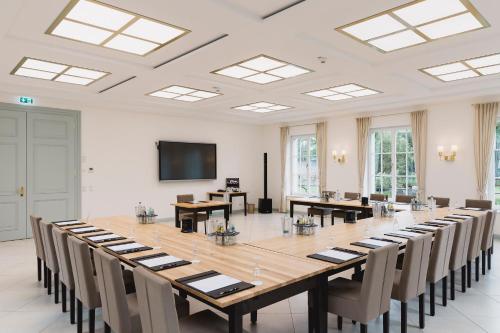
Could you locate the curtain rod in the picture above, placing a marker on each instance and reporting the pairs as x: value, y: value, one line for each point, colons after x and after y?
x: 303, y: 124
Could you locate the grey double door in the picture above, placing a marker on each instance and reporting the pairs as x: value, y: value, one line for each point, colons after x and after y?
x: 39, y: 167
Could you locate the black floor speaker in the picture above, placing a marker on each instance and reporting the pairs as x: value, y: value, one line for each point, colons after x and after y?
x: 265, y: 206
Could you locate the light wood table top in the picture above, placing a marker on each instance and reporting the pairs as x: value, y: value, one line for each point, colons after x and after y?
x: 201, y: 204
x: 238, y: 261
x: 222, y: 193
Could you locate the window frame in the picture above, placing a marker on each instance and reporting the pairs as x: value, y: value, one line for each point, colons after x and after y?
x: 294, y: 181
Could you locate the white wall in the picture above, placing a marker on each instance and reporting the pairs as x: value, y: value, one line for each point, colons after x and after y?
x: 120, y: 146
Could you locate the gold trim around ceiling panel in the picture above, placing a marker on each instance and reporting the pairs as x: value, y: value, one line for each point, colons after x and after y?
x: 115, y: 33
x: 342, y: 85
x: 22, y: 61
x: 469, y: 9
x: 286, y: 63
x: 178, y: 85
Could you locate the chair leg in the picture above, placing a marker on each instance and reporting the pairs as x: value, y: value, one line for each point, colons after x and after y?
x: 490, y: 252
x: 49, y: 282
x: 333, y: 219
x: 72, y: 306
x: 253, y: 317
x: 363, y: 328
x: 91, y: 320
x: 56, y: 288
x: 322, y: 220
x: 404, y: 317
x: 445, y: 288
x: 45, y: 271
x: 477, y: 269
x: 433, y: 299
x: 483, y: 257
x: 469, y: 274
x: 107, y: 329
x: 421, y: 310
x: 79, y: 316
x: 63, y: 294
x: 339, y: 323
x: 39, y: 268
x: 452, y: 285
x: 386, y: 321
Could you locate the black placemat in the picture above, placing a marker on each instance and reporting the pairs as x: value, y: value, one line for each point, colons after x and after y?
x: 67, y: 225
x: 75, y: 230
x: 160, y: 267
x: 217, y: 293
x: 335, y: 260
x: 104, y: 240
x: 139, y: 249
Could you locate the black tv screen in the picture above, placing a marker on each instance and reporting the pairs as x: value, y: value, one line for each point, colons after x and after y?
x: 184, y: 160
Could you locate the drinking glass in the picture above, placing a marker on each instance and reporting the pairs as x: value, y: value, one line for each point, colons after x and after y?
x: 395, y: 223
x: 286, y: 225
x: 131, y: 231
x: 256, y: 273
x: 195, y: 259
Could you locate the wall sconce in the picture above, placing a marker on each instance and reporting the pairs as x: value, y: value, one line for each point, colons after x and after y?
x: 451, y: 156
x: 339, y: 158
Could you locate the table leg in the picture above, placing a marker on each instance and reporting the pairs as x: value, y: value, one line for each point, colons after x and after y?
x: 177, y: 222
x: 235, y: 319
x: 231, y: 202
x: 245, y: 203
x: 195, y: 221
x: 210, y: 196
x: 226, y: 214
x: 291, y: 209
x: 322, y: 306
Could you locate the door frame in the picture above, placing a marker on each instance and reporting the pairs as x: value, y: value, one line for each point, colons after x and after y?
x: 55, y: 111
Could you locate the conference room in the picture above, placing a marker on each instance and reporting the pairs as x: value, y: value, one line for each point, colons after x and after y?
x: 249, y: 166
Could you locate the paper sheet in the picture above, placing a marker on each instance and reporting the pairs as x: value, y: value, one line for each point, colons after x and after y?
x: 153, y: 262
x: 86, y: 229
x: 444, y: 222
x: 459, y: 216
x: 471, y: 208
x: 375, y: 242
x: 427, y: 227
x: 406, y: 233
x: 67, y: 223
x: 103, y: 237
x: 124, y: 247
x: 340, y: 255
x: 213, y: 283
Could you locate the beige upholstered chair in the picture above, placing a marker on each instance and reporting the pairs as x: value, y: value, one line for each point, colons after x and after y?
x: 67, y: 281
x: 378, y: 197
x: 487, y: 239
x: 365, y: 301
x: 86, y: 290
x: 475, y: 247
x: 442, y: 202
x: 40, y: 254
x: 202, y: 217
x: 50, y: 258
x: 458, y: 259
x: 352, y: 195
x: 439, y: 263
x: 119, y: 310
x: 401, y: 198
x: 410, y: 280
x: 158, y: 311
x: 474, y: 203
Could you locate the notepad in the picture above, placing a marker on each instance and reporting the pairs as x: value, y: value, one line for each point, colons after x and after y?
x: 471, y: 208
x: 158, y: 261
x: 66, y: 223
x: 125, y: 247
x: 459, y: 216
x: 375, y: 242
x: 213, y: 283
x: 427, y: 227
x: 443, y: 222
x: 344, y: 256
x: 103, y: 237
x: 406, y: 233
x: 82, y: 230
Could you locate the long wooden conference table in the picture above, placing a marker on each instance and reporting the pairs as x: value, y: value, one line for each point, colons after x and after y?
x: 285, y: 267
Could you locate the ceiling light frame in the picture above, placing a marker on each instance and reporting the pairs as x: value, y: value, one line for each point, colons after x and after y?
x: 114, y: 33
x: 195, y: 90
x: 285, y: 63
x: 468, y: 68
x: 58, y: 74
x: 377, y: 92
x: 263, y: 108
x: 414, y: 28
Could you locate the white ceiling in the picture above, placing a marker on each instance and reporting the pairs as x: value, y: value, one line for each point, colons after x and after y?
x: 298, y: 35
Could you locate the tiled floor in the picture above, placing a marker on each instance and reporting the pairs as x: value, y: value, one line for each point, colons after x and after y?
x: 25, y: 307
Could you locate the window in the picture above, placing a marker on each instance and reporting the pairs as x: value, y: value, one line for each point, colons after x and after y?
x: 497, y: 165
x: 304, y: 165
x: 391, y: 162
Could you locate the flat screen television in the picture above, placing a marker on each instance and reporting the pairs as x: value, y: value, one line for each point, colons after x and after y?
x: 186, y: 160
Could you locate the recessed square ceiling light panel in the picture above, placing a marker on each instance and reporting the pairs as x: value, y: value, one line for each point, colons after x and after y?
x: 180, y: 93
x: 415, y: 23
x: 97, y: 23
x: 262, y: 69
x: 53, y: 71
x: 262, y: 107
x: 345, y: 91
x: 465, y: 69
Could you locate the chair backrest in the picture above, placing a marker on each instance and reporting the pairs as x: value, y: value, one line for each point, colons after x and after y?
x: 378, y: 280
x: 442, y: 202
x: 489, y: 224
x: 83, y: 272
x: 352, y: 195
x: 112, y: 289
x: 37, y: 237
x: 415, y: 265
x: 441, y: 253
x: 49, y: 246
x: 401, y: 198
x: 475, y: 203
x: 185, y: 197
x: 476, y: 237
x: 378, y: 197
x: 156, y: 303
x: 461, y: 242
x: 61, y: 243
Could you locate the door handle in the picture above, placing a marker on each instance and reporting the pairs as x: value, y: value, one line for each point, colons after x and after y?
x: 21, y: 191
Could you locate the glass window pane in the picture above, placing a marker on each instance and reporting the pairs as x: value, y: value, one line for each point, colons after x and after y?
x: 401, y: 183
x: 411, y: 164
x: 409, y: 141
x: 386, y: 164
x: 412, y: 184
x: 386, y: 141
x: 498, y: 136
x: 401, y: 141
x: 387, y: 186
x: 377, y: 142
x: 497, y: 163
x: 401, y: 164
x: 378, y: 184
x: 378, y: 164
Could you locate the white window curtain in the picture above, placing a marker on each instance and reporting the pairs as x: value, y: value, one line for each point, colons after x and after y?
x: 485, y: 116
x: 284, y: 135
x: 321, y: 144
x: 363, y: 129
x: 419, y: 136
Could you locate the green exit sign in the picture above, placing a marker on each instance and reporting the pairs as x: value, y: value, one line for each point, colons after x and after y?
x: 25, y: 100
